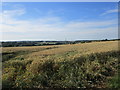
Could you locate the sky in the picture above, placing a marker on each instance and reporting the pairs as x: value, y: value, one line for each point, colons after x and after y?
x: 59, y: 21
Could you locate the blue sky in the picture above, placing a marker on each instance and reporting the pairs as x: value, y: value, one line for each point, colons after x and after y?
x: 60, y: 20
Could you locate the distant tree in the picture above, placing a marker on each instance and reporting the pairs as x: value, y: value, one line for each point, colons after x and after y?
x: 106, y: 39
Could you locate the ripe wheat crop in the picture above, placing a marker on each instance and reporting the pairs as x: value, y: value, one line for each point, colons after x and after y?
x: 73, y: 65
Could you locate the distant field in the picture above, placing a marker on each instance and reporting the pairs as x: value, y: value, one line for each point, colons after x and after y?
x: 73, y: 65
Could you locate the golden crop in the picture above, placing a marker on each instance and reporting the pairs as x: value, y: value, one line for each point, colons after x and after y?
x: 36, y: 52
x: 23, y: 65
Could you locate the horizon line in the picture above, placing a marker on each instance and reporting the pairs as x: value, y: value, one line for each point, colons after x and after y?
x: 58, y: 40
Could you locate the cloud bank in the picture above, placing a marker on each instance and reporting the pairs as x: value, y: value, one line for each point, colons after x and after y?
x: 54, y: 28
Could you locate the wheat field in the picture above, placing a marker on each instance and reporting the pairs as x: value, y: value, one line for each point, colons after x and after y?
x: 71, y: 65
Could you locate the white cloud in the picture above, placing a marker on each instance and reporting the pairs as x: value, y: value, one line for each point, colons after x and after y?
x: 110, y: 11
x: 13, y: 12
x: 51, y: 27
